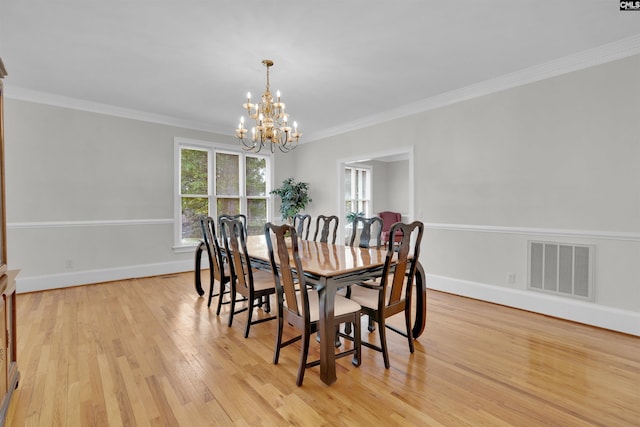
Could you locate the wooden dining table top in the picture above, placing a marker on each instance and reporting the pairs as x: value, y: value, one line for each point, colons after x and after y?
x: 324, y: 259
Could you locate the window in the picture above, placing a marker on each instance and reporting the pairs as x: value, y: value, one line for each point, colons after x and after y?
x: 212, y: 181
x: 357, y: 181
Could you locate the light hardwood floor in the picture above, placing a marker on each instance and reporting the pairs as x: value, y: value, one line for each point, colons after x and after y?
x: 148, y: 352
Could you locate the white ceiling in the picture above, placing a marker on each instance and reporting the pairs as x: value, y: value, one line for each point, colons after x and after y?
x: 338, y: 64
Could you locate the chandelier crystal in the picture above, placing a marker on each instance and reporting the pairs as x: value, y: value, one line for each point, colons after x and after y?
x: 271, y: 123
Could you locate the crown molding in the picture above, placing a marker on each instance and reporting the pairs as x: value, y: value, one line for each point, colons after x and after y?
x: 22, y: 94
x: 600, y: 55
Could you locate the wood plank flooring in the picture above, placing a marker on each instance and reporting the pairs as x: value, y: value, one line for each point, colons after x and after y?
x: 148, y: 352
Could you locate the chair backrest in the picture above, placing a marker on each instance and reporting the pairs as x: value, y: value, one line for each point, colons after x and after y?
x: 368, y: 225
x: 326, y: 228
x: 213, y: 248
x: 388, y: 219
x: 241, y: 217
x: 406, y: 255
x: 283, y: 272
x: 302, y: 224
x: 236, y: 249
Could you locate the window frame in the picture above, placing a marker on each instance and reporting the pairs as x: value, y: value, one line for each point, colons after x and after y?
x: 357, y: 170
x: 212, y: 148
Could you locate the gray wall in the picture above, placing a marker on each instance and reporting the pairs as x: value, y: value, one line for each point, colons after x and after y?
x: 90, y: 196
x: 554, y: 160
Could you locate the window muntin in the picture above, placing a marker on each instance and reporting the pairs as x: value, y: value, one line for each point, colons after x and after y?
x: 213, y: 181
x: 357, y: 190
x: 194, y: 191
x: 256, y: 192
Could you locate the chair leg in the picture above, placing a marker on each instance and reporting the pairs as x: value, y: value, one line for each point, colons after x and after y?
x: 223, y: 287
x: 356, y: 341
x: 372, y: 325
x: 249, y: 315
x: 407, y: 317
x: 383, y: 342
x: 211, y: 283
x: 304, y: 352
x: 233, y: 306
x: 347, y: 326
x: 276, y: 354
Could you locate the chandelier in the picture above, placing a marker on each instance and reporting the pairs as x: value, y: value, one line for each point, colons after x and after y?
x: 271, y: 123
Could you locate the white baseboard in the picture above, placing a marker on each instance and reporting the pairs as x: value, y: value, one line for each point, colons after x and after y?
x: 589, y: 313
x: 65, y: 280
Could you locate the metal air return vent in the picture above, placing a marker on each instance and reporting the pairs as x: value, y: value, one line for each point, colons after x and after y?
x: 562, y: 269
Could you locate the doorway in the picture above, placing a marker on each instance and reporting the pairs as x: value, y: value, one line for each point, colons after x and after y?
x: 399, y: 165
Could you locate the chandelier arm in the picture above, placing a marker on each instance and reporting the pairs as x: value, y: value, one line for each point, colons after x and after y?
x: 250, y: 147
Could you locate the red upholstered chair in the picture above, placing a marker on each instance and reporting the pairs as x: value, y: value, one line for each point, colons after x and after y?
x: 388, y: 219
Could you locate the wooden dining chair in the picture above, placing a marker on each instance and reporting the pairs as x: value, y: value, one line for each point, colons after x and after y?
x: 302, y: 224
x: 241, y: 217
x: 366, y: 227
x: 298, y: 305
x: 326, y: 228
x: 253, y: 285
x: 371, y: 227
x: 218, y: 269
x: 392, y: 295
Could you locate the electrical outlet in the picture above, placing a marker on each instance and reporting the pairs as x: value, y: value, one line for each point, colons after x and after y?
x: 511, y: 278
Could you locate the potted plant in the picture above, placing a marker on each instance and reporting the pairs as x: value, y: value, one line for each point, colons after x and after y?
x: 351, y: 216
x: 294, y: 197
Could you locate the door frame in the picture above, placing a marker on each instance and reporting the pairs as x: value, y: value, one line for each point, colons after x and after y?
x: 401, y: 153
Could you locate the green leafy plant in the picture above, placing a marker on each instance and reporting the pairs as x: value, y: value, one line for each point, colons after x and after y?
x: 351, y: 216
x: 294, y: 197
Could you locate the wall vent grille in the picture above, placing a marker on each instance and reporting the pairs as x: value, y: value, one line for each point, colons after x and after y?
x: 561, y: 268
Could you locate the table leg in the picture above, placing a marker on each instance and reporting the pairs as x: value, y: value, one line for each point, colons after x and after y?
x: 326, y: 295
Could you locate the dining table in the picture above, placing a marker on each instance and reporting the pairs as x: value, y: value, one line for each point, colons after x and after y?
x: 329, y: 267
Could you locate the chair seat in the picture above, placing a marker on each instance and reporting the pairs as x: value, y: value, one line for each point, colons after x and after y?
x: 262, y: 280
x: 365, y: 297
x: 342, y: 305
x: 368, y: 297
